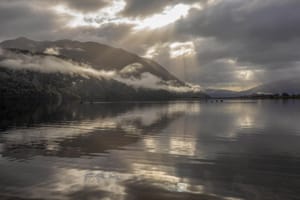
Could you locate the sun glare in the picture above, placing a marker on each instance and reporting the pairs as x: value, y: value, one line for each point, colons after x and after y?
x: 245, y: 75
x: 169, y: 15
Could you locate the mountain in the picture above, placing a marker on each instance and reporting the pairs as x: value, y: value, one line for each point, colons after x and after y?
x: 99, y: 56
x: 65, y: 69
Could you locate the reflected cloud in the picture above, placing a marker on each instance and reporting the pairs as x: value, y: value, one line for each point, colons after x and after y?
x: 75, y: 137
x: 174, y: 150
x: 183, y: 146
x: 150, y: 144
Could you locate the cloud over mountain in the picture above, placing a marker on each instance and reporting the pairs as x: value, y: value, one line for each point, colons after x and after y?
x: 77, y: 65
x: 261, y: 37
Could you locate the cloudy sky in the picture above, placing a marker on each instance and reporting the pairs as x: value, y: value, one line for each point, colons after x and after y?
x: 230, y: 44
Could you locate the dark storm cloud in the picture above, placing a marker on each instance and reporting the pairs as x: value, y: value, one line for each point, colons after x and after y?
x: 271, y: 20
x: 37, y: 20
x: 21, y: 18
x: 85, y: 5
x: 254, y: 31
x: 142, y: 8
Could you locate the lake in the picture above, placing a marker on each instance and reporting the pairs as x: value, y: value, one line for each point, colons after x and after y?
x: 236, y: 149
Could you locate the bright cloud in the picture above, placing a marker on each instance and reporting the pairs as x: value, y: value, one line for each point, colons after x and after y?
x: 110, y: 15
x: 152, y: 52
x: 178, y: 49
x: 52, y: 51
x: 169, y: 16
x: 253, y: 35
x: 94, y: 19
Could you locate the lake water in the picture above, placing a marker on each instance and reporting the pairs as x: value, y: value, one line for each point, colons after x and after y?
x: 158, y: 151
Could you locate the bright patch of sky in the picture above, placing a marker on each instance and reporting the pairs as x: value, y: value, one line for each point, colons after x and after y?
x: 110, y: 14
x: 168, y: 16
x: 94, y: 19
x: 178, y: 49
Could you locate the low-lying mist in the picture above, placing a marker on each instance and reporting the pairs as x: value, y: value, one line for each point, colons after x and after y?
x: 45, y: 63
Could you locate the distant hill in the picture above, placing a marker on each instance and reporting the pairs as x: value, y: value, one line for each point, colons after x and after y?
x: 218, y: 93
x: 277, y: 87
x: 291, y: 87
x: 90, y: 71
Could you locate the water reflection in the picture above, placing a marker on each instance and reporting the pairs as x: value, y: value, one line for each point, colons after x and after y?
x: 175, y: 150
x: 76, y: 135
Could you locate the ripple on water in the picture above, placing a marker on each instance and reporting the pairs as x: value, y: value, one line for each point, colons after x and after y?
x: 176, y: 150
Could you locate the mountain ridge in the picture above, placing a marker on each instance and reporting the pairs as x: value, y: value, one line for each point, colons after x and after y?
x: 66, y: 69
x: 89, y: 52
x: 276, y: 87
x: 288, y: 86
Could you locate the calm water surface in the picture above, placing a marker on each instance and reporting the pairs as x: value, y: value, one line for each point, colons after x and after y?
x: 164, y: 151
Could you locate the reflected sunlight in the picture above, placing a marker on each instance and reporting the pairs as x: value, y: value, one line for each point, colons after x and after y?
x: 182, y: 146
x: 150, y: 144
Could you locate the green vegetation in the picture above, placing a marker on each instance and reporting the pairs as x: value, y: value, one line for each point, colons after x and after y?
x: 56, y: 87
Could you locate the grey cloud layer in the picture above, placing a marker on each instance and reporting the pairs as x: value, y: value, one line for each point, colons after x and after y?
x: 86, y: 5
x: 258, y: 35
x: 145, y: 8
x: 21, y: 18
x: 254, y: 31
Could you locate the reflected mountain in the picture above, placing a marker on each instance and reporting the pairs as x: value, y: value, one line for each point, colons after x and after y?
x: 86, y: 130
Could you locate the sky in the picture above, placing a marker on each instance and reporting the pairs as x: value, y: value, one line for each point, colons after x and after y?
x: 223, y: 44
